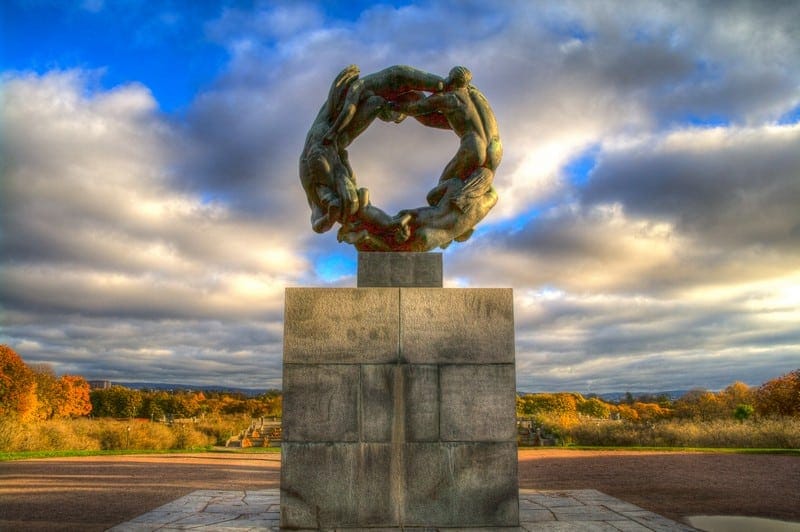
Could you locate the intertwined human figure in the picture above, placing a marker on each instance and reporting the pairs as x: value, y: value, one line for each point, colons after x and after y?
x: 464, y: 194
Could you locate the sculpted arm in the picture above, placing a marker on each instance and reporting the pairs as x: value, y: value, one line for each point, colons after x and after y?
x: 348, y: 111
x: 431, y: 104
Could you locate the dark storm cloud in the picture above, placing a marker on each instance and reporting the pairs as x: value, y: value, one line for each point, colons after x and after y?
x: 744, y: 54
x: 732, y: 189
x: 244, y: 151
x: 233, y: 353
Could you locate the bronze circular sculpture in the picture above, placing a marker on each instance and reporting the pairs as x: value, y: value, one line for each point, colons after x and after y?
x: 464, y: 194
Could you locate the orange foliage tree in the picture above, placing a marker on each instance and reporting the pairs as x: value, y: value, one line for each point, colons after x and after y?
x: 75, y: 394
x: 17, y: 386
x: 35, y: 392
x: 60, y: 397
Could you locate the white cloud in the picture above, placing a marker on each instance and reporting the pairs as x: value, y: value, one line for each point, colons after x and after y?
x: 132, y: 236
x: 93, y: 227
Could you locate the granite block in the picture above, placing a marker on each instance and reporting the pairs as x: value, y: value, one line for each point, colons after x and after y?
x: 320, y: 402
x: 478, y: 403
x: 377, y: 402
x: 449, y: 325
x: 336, y: 485
x: 399, y: 409
x: 421, y: 396
x: 341, y: 325
x: 399, y: 269
x: 461, y: 484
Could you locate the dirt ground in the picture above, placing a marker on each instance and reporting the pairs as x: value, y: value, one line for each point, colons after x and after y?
x: 94, y: 493
x: 674, y: 484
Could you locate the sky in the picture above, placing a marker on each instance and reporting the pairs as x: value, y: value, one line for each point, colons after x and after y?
x: 151, y: 213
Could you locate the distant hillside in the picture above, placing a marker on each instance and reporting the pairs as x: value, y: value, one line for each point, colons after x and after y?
x: 615, y: 397
x: 250, y: 392
x: 612, y: 397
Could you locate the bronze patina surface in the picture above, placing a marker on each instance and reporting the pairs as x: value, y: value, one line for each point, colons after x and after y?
x: 464, y: 193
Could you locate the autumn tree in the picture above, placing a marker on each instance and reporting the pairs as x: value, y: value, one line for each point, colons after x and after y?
x: 183, y: 404
x: 663, y: 400
x: 75, y: 394
x: 735, y: 395
x: 553, y: 409
x: 60, y: 397
x: 625, y: 412
x: 550, y: 403
x: 701, y: 405
x: 780, y: 397
x: 17, y: 386
x: 152, y: 405
x: 48, y: 390
x: 273, y: 403
x: 594, y: 407
x: 116, y: 401
x: 651, y: 411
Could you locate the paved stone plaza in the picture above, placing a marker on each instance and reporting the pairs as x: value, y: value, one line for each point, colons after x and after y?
x: 573, y: 510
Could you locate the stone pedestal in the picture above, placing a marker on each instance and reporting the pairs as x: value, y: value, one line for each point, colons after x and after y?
x: 399, y: 405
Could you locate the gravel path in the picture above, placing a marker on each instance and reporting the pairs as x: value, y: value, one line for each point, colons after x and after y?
x: 95, y: 493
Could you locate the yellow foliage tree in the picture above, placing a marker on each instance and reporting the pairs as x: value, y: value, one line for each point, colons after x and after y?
x: 650, y: 411
x: 594, y: 407
x: 48, y: 391
x: 626, y: 412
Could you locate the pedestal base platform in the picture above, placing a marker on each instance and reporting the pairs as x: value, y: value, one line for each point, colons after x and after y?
x: 540, y: 511
x: 398, y: 408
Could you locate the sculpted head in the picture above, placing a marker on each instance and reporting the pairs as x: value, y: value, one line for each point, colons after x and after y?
x: 459, y: 77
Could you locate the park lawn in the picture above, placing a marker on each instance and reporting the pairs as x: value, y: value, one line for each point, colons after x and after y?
x: 719, y: 450
x: 28, y: 455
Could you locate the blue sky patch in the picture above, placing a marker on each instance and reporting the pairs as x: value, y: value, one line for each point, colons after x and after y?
x: 579, y: 168
x: 706, y: 121
x: 166, y: 51
x: 333, y: 266
x: 792, y: 117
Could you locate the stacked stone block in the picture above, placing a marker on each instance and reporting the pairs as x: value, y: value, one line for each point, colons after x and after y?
x: 398, y: 408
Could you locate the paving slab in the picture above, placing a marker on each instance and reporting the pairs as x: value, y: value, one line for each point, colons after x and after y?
x: 539, y: 510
